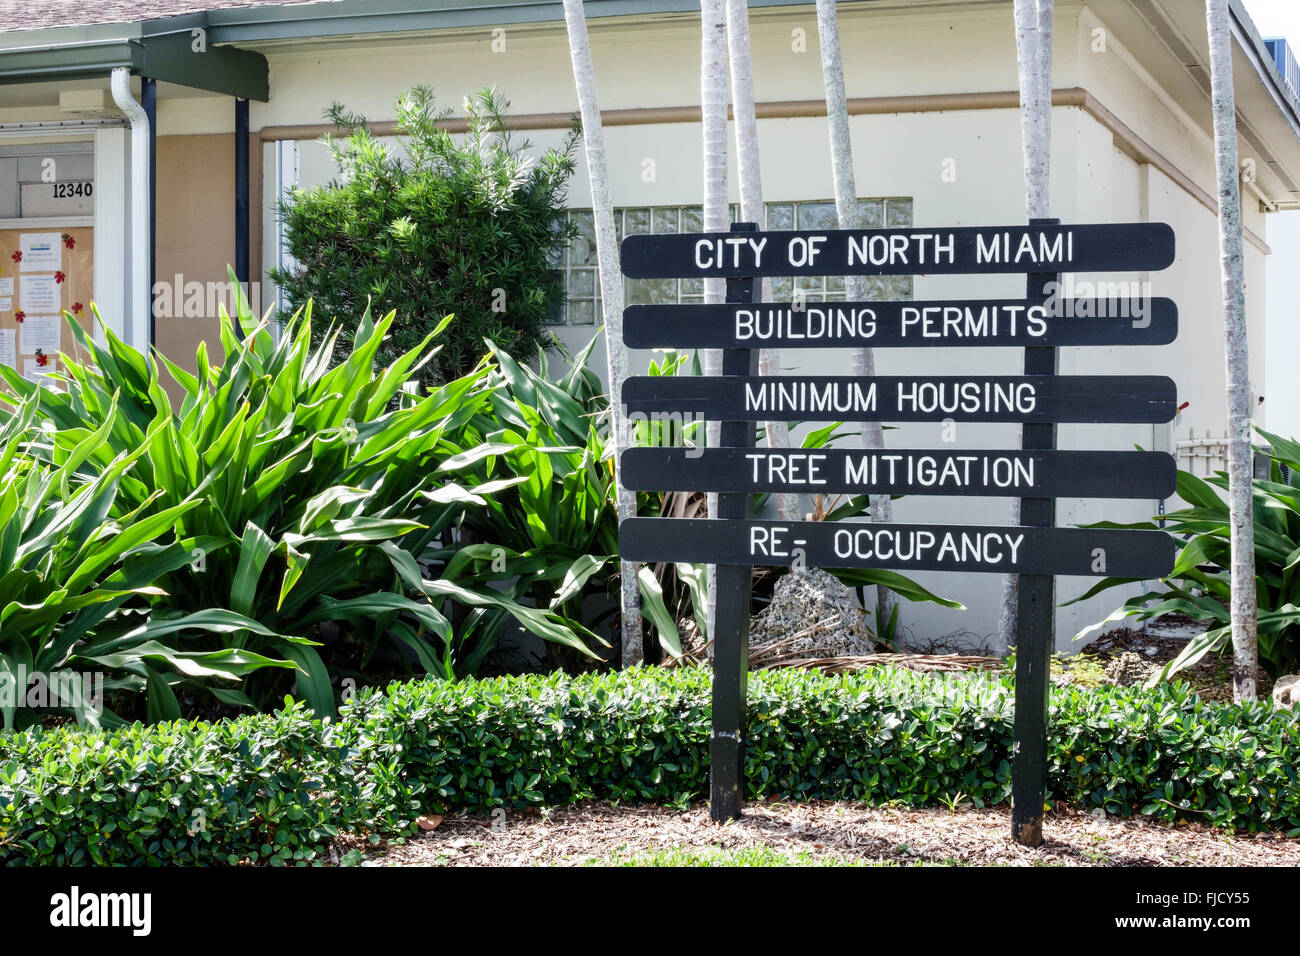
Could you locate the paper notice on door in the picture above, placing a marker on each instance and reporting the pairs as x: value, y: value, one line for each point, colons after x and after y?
x: 7, y: 356
x: 7, y: 285
x: 6, y: 304
x: 42, y: 251
x: 38, y: 294
x: 41, y: 333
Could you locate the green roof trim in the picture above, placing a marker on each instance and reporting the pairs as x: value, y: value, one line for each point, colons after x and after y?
x: 172, y: 58
x: 359, y: 17
x: 159, y: 49
x: 34, y: 65
x: 162, y: 48
x: 275, y: 21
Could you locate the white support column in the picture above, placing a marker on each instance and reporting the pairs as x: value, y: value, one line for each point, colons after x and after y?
x: 139, y: 298
x: 112, y: 232
x: 280, y: 172
x: 287, y: 175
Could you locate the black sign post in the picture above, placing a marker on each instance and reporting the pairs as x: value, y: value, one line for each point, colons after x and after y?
x: 732, y: 601
x: 1035, y: 631
x: 1036, y: 473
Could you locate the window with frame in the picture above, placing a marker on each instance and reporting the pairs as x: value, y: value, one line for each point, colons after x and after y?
x: 582, y: 306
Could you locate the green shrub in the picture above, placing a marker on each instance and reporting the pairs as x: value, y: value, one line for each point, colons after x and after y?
x: 277, y: 787
x: 550, y: 536
x: 880, y: 735
x: 1200, y: 584
x: 298, y: 494
x: 76, y: 571
x: 467, y: 225
x: 263, y: 789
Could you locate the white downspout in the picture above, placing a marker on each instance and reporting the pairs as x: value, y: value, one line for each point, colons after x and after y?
x: 139, y: 295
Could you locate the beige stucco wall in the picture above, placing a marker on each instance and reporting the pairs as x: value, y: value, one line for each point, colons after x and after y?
x: 196, y: 235
x: 1283, y: 374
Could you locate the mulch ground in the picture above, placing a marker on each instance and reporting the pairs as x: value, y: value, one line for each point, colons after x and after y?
x: 595, y: 833
x: 598, y: 833
x: 1209, y: 677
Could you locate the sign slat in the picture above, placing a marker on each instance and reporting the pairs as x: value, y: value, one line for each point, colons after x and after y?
x: 900, y: 547
x: 963, y: 323
x: 1118, y: 247
x: 908, y: 398
x: 1008, y: 474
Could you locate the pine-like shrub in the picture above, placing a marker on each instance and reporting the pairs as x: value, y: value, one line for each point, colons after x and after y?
x: 467, y: 224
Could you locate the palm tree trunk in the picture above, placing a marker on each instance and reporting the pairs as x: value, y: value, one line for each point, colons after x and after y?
x: 611, y: 292
x: 850, y: 217
x: 1034, y: 58
x: 713, y: 97
x: 751, y: 194
x: 1245, y: 648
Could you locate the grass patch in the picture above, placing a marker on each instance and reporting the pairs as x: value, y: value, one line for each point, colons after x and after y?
x: 717, y: 855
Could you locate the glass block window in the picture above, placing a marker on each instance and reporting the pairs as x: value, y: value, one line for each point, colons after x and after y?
x: 579, y: 261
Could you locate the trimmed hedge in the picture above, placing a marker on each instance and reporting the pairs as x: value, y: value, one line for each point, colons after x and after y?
x: 263, y: 787
x: 276, y: 787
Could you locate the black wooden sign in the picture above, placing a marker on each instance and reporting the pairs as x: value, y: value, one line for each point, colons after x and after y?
x: 1035, y: 551
x: 908, y: 398
x: 1010, y: 474
x: 818, y: 325
x: 900, y: 547
x: 1129, y: 247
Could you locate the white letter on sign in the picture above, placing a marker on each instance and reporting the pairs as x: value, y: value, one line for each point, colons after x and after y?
x: 766, y: 542
x: 813, y: 243
x: 798, y: 251
x: 703, y: 262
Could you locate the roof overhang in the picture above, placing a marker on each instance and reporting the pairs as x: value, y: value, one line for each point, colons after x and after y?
x: 340, y: 18
x: 1268, y: 113
x: 164, y: 49
x: 168, y: 50
x: 161, y: 48
x: 1275, y: 132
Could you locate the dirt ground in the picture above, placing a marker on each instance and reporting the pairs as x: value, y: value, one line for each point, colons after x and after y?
x: 1150, y: 651
x: 598, y: 833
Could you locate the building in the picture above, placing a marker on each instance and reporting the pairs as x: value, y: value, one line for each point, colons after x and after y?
x: 157, y: 135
